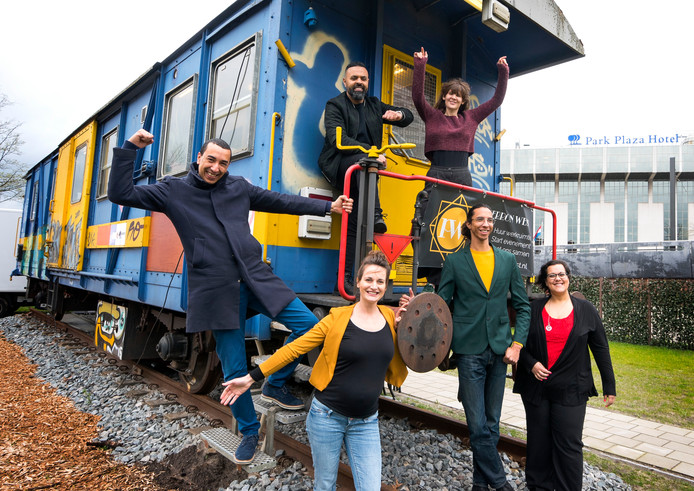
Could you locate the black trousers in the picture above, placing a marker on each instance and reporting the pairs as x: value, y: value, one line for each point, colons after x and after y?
x: 351, y: 246
x: 555, y: 449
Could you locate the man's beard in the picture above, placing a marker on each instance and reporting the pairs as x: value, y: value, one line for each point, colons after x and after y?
x: 357, y: 96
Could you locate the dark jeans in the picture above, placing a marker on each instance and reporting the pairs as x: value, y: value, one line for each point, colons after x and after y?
x: 482, y: 379
x: 351, y: 246
x: 555, y: 448
x: 231, y: 350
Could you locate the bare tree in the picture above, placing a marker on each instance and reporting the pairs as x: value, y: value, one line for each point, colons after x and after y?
x: 11, y: 171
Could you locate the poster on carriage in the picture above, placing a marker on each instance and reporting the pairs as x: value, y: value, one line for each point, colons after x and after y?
x: 442, y: 233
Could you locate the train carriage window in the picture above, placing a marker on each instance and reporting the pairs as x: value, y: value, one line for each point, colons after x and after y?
x: 108, y: 142
x: 178, y: 130
x: 78, y: 174
x: 34, y: 200
x: 233, y: 98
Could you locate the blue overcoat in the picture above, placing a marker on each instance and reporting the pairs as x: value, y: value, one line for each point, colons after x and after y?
x: 212, y: 223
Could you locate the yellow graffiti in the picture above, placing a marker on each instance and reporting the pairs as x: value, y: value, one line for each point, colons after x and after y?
x: 110, y: 325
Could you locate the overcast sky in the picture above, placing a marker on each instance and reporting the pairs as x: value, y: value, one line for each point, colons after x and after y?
x: 62, y: 61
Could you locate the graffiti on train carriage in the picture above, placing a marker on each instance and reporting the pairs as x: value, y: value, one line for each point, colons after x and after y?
x: 110, y: 326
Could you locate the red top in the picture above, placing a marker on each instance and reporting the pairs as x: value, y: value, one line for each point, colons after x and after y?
x: 557, y: 332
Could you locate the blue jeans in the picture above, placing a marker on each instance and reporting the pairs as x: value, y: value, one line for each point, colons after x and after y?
x: 327, y: 430
x: 482, y: 379
x: 231, y: 350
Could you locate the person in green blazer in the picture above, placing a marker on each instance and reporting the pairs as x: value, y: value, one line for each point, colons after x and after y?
x: 475, y: 282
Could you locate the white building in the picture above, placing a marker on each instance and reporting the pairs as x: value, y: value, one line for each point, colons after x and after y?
x: 605, y: 193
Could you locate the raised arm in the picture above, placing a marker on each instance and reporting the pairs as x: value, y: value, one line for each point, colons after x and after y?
x: 483, y: 110
x: 121, y: 189
x: 420, y: 102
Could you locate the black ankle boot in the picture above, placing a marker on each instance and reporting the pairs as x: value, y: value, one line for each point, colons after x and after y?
x: 380, y: 226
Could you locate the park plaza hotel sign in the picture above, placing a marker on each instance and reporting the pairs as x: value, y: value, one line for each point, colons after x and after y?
x: 652, y: 139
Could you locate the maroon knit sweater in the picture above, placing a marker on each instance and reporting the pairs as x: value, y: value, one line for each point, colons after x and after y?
x: 455, y: 133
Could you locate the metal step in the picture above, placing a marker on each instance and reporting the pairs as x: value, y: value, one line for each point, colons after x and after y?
x: 281, y: 415
x: 302, y: 373
x: 226, y: 443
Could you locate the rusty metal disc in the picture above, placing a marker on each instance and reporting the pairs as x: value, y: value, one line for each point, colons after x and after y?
x: 425, y: 332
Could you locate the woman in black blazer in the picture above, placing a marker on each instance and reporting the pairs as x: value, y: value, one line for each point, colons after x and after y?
x: 555, y: 380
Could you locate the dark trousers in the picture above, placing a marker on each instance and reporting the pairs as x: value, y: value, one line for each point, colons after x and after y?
x: 555, y: 449
x: 351, y: 246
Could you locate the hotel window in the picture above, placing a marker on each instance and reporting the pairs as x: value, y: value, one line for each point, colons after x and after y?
x: 568, y: 193
x: 590, y: 193
x: 614, y: 193
x: 637, y: 192
x: 544, y: 194
x: 685, y: 197
x: 661, y: 194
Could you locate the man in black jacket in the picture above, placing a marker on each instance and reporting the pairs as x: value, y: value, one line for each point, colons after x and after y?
x: 226, y: 274
x: 361, y: 119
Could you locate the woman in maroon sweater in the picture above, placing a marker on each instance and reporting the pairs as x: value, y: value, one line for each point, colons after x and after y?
x: 451, y: 124
x: 450, y: 131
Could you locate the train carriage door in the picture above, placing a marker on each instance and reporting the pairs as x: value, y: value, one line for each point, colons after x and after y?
x: 397, y: 196
x: 68, y: 224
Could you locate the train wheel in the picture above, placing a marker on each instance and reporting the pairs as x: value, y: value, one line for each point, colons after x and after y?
x: 5, y: 307
x: 204, y: 370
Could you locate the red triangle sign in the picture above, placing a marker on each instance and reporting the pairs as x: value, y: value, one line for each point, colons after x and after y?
x: 392, y: 245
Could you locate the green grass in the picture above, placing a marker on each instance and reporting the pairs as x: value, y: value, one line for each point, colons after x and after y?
x: 652, y: 383
x: 638, y: 478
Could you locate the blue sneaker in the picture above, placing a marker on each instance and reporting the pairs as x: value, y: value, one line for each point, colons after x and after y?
x: 282, y: 397
x: 246, y: 451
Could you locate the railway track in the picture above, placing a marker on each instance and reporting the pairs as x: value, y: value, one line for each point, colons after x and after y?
x: 219, y: 415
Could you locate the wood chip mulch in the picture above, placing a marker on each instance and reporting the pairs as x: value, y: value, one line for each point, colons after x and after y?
x: 45, y: 440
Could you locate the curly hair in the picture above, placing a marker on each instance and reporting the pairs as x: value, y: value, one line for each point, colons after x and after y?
x: 460, y: 88
x: 542, y: 277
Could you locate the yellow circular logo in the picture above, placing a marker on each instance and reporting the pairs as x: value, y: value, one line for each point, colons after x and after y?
x: 449, y: 229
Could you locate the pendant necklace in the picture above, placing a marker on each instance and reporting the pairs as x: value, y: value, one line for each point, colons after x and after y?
x: 548, y: 327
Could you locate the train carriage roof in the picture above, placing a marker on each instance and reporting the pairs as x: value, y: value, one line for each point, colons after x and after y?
x: 538, y: 36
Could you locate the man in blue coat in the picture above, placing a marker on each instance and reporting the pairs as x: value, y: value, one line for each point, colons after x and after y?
x: 476, y: 282
x: 226, y: 274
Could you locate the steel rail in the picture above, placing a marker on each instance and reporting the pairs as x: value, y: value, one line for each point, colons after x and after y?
x: 213, y: 410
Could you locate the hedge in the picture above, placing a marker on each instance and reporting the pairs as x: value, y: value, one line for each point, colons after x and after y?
x: 642, y: 311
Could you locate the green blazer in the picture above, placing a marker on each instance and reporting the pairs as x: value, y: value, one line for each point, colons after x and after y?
x: 480, y: 318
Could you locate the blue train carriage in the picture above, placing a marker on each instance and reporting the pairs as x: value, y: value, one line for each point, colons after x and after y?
x: 258, y: 75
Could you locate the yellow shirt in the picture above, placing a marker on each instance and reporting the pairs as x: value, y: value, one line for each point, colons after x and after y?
x: 484, y: 261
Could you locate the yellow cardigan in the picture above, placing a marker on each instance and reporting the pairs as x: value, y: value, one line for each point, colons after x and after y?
x: 329, y: 332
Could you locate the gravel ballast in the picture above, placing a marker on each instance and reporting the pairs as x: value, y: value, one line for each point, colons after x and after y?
x: 412, y: 459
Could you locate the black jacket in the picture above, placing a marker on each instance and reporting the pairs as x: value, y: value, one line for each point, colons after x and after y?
x: 571, y: 382
x: 339, y: 111
x: 212, y: 223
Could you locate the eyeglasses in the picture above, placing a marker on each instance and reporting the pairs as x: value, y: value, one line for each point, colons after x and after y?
x: 481, y: 220
x: 561, y: 276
